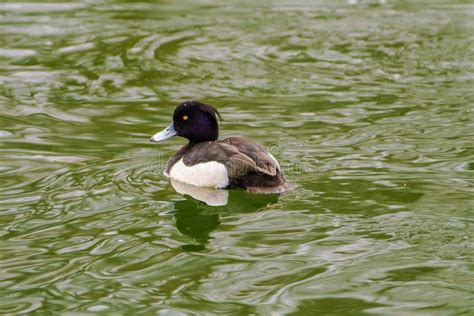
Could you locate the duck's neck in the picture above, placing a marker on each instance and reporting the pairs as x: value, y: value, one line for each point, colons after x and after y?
x: 193, y: 143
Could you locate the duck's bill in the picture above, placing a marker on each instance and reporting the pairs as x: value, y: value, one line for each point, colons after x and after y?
x: 164, y: 134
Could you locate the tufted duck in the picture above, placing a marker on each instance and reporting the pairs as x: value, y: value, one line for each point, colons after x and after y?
x: 232, y: 163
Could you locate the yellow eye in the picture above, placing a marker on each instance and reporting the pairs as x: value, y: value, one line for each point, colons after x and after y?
x: 185, y: 117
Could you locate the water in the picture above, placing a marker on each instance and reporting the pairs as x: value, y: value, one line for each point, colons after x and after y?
x: 368, y: 106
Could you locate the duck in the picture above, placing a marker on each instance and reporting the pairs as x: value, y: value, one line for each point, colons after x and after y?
x: 206, y: 161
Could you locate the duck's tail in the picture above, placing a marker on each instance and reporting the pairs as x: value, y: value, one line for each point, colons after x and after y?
x: 282, y: 188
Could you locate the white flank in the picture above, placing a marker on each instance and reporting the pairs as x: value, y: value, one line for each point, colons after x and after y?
x: 207, y: 174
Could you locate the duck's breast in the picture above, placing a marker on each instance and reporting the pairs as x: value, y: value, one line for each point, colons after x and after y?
x: 211, y: 174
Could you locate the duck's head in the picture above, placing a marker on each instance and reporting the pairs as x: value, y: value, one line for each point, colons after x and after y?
x: 192, y: 120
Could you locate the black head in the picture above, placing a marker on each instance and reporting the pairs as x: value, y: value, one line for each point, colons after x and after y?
x: 193, y: 120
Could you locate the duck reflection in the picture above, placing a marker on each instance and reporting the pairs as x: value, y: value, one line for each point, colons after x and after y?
x: 209, y: 196
x: 198, y: 215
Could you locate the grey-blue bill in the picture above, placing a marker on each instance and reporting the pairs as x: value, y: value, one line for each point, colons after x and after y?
x: 165, y: 134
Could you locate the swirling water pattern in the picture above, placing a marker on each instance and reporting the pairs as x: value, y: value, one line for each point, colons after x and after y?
x: 368, y: 106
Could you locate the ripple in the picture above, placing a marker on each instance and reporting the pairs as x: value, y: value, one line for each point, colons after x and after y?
x: 76, y: 48
x: 40, y: 7
x: 17, y: 53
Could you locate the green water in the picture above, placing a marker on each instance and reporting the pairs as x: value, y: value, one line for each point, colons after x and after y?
x: 368, y: 107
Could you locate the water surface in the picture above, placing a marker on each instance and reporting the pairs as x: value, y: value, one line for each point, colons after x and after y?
x: 368, y: 106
